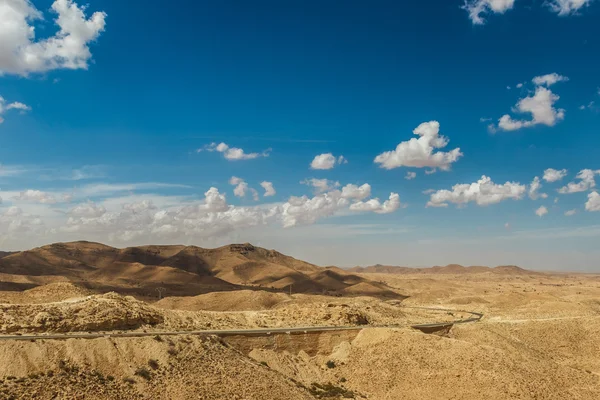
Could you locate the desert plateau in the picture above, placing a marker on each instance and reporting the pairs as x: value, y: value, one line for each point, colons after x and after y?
x: 83, y: 320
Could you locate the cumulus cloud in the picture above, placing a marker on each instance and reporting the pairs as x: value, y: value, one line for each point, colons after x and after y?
x: 351, y: 191
x: 4, y: 107
x: 549, y: 79
x: 478, y: 8
x: 21, y: 54
x: 139, y: 207
x: 570, y: 213
x: 567, y: 7
x: 593, y: 202
x: 554, y: 175
x: 36, y: 196
x: 540, y: 212
x: 410, y: 175
x: 233, y: 153
x: 241, y: 187
x: 586, y: 182
x: 269, y: 189
x: 541, y: 107
x: 327, y: 161
x: 534, y: 188
x: 306, y: 210
x: 483, y: 192
x: 374, y: 205
x: 321, y: 185
x: 420, y: 153
x: 87, y: 210
x: 136, y: 218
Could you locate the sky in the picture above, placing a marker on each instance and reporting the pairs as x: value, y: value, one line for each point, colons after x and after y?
x: 342, y: 133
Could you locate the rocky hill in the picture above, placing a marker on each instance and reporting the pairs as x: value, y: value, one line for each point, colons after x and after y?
x: 183, y: 270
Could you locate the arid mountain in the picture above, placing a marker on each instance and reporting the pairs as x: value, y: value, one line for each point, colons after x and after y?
x: 6, y: 253
x: 448, y: 269
x: 183, y: 270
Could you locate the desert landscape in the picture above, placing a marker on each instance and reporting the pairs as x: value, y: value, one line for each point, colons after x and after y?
x: 85, y: 320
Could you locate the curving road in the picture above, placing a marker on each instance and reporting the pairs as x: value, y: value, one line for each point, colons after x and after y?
x: 475, y: 316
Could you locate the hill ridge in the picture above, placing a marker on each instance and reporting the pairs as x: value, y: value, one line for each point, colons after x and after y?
x: 185, y: 269
x: 448, y: 269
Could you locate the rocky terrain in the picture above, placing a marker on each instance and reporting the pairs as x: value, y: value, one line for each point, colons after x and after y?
x: 537, y: 340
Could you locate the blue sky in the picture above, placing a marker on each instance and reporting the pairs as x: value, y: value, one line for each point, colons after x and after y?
x: 109, y: 113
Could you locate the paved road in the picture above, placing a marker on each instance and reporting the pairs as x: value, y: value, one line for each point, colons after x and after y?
x: 245, y: 332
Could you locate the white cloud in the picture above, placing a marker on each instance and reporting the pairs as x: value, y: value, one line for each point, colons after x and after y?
x: 483, y: 192
x: 519, y: 85
x: 87, y: 210
x: 567, y: 7
x: 305, y: 210
x: 17, y: 105
x: 549, y: 79
x: 540, y: 212
x: 540, y: 106
x: 593, y: 202
x: 534, y: 188
x: 355, y: 192
x: 11, y: 106
x: 233, y: 153
x: 36, y: 196
x: 410, y: 175
x: 591, y: 106
x: 327, y: 161
x: 374, y: 205
x: 586, y: 182
x: 138, y: 207
x: 241, y: 187
x: 570, y: 213
x: 477, y: 8
x: 21, y: 54
x: 321, y: 185
x: 269, y: 189
x: 136, y: 218
x: 419, y: 152
x: 553, y: 175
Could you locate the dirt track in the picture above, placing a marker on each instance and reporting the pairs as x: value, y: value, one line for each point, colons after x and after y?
x: 252, y: 332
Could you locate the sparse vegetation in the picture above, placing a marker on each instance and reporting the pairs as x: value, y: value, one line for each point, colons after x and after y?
x: 172, y: 351
x: 143, y: 373
x: 153, y: 364
x: 129, y: 380
x: 330, y: 364
x: 328, y: 390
